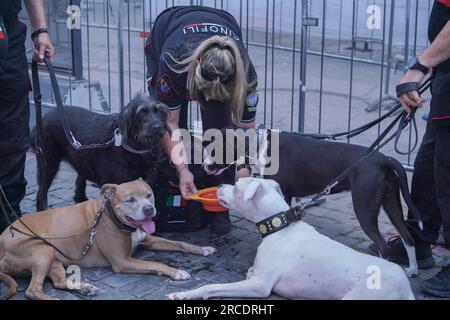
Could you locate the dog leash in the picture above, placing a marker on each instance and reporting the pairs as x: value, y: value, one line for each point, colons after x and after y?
x: 403, y: 118
x: 358, y: 131
x: 119, y: 138
x: 92, y: 230
x: 40, y: 157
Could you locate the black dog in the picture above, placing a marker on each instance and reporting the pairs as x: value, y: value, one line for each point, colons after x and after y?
x: 143, y: 123
x: 308, y: 165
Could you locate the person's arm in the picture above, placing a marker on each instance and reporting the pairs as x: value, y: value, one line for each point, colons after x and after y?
x: 43, y: 45
x: 435, y: 54
x: 187, y: 185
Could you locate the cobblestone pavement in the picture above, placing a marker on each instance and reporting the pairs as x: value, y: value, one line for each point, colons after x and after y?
x: 236, y: 251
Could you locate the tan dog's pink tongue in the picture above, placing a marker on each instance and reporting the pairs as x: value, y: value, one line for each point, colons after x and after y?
x: 148, y: 226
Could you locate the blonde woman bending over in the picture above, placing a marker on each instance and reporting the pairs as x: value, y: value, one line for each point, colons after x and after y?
x: 196, y: 53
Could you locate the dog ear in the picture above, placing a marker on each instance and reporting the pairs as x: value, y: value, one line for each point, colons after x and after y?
x: 108, y: 191
x: 276, y: 185
x: 251, y: 190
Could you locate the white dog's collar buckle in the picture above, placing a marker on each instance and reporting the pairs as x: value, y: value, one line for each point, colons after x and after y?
x: 280, y: 221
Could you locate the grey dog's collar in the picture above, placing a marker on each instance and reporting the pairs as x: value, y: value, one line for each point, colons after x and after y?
x: 119, y: 141
x: 280, y: 221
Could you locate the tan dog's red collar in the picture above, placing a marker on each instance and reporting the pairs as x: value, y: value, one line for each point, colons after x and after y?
x: 279, y: 221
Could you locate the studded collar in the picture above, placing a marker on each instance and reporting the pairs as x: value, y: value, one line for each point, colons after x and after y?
x: 280, y: 221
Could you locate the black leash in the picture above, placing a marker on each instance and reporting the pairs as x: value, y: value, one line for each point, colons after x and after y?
x: 60, y: 108
x: 106, y: 207
x: 404, y: 119
x: 358, y: 131
x: 40, y: 156
x: 119, y: 138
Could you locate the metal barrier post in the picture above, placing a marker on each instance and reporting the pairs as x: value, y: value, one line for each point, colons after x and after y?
x: 120, y: 54
x: 77, y: 49
x: 390, y: 43
x: 307, y: 22
x: 303, y: 60
x: 408, y: 25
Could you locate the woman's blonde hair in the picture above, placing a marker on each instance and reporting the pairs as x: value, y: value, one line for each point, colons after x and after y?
x: 219, y: 55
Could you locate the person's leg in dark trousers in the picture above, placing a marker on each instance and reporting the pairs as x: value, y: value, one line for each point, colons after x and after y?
x: 218, y: 115
x: 442, y: 177
x: 431, y: 181
x: 14, y: 118
x: 423, y: 190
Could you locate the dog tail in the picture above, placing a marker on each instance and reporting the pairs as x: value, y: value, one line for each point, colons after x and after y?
x: 397, y: 167
x: 11, y: 283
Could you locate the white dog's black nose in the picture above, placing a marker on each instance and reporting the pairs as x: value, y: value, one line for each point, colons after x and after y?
x: 149, y: 210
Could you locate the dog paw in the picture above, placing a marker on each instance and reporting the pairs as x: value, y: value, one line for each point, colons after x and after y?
x: 89, y: 290
x: 177, y: 296
x: 181, y: 275
x: 412, y: 272
x: 209, y: 251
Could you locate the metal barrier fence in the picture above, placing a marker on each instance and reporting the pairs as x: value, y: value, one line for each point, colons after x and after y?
x: 323, y: 65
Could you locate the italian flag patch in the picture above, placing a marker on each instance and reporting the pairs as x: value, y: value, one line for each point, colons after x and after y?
x: 176, y: 201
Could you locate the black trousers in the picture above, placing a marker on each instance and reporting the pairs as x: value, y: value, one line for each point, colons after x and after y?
x: 431, y: 180
x: 14, y: 118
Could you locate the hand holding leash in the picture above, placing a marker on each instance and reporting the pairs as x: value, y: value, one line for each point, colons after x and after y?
x: 408, y: 90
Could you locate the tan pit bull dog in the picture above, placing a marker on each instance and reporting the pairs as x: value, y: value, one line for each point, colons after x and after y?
x: 117, y: 222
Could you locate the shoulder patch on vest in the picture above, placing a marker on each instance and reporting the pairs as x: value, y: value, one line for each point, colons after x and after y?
x: 252, y: 99
x: 165, y: 87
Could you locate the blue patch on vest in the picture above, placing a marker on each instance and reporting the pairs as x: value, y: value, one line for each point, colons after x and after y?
x: 252, y: 99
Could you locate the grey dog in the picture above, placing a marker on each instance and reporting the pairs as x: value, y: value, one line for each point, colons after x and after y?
x: 143, y: 123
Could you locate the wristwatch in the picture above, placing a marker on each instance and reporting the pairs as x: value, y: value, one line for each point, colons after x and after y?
x: 414, y: 64
x: 38, y: 32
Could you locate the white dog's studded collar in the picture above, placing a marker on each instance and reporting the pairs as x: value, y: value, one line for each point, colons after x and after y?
x: 279, y: 221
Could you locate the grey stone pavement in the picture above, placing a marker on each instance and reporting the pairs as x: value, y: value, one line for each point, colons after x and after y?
x: 236, y: 251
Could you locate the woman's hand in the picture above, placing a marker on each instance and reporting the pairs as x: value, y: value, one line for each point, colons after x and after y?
x: 187, y: 186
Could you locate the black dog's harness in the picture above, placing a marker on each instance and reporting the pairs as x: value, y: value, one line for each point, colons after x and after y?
x: 280, y: 221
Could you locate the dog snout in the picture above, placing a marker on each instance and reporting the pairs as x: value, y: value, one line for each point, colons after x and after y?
x: 157, y: 128
x: 149, y: 211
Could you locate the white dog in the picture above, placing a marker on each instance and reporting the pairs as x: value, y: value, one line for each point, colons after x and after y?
x: 297, y: 262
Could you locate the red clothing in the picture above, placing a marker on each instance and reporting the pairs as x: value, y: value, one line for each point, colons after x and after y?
x: 446, y: 2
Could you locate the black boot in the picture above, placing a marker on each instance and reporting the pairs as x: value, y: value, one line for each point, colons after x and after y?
x: 15, y: 196
x: 439, y: 285
x: 220, y: 223
x: 397, y: 253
